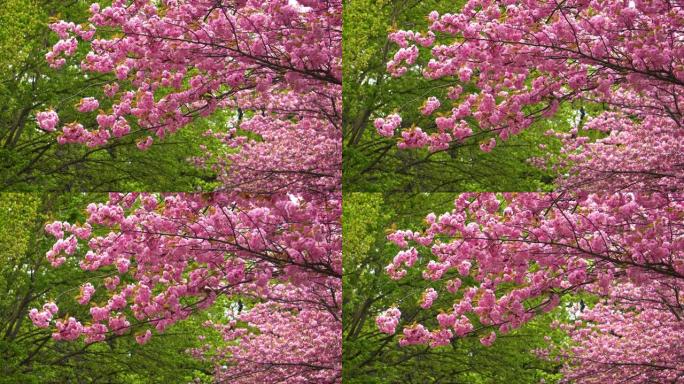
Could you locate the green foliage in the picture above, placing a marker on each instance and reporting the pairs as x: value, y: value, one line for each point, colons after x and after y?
x: 20, y: 20
x: 372, y: 357
x: 365, y: 27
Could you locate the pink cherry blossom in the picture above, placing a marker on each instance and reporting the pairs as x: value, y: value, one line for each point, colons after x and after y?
x: 144, y: 337
x: 431, y: 105
x: 88, y: 104
x: 387, y: 321
x: 429, y: 297
x: 488, y: 340
x: 87, y: 291
x: 42, y: 318
x: 47, y: 120
x: 388, y: 125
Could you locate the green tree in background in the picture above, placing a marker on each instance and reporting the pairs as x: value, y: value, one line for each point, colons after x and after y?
x: 373, y: 163
x: 373, y: 357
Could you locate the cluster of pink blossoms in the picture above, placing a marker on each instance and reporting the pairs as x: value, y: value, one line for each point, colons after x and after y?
x: 387, y: 321
x: 47, y: 120
x: 67, y: 45
x: 42, y: 318
x: 643, y: 155
x: 431, y: 105
x: 87, y: 291
x: 298, y: 154
x: 388, y: 125
x: 88, y: 104
x: 429, y: 297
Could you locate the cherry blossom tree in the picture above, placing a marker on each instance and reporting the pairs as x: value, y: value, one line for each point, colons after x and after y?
x: 515, y: 63
x: 507, y: 258
x: 159, y: 261
x: 277, y: 64
x: 271, y: 234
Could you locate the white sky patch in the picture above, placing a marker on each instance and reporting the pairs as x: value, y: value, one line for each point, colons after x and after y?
x: 232, y: 311
x: 300, y: 8
x: 294, y: 198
